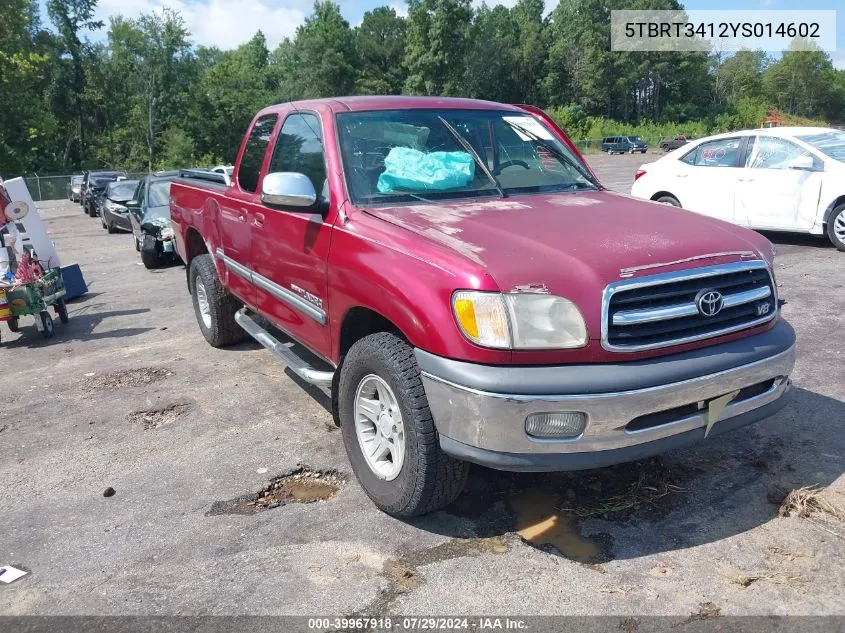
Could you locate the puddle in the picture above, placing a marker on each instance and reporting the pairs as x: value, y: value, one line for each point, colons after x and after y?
x: 540, y: 522
x: 301, y: 486
x: 127, y: 378
x: 548, y: 510
x: 154, y: 418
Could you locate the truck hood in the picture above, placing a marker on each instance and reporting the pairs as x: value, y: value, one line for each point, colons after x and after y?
x: 574, y: 244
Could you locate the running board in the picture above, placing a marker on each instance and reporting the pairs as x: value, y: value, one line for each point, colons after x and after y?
x: 296, y: 364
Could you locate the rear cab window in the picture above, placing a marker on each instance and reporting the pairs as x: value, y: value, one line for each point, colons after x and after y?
x: 252, y: 160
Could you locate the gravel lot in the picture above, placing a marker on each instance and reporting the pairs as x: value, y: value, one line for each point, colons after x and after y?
x: 128, y: 395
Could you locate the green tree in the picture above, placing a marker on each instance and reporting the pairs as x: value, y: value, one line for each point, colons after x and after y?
x: 71, y: 18
x: 380, y: 44
x: 324, y: 54
x: 438, y: 33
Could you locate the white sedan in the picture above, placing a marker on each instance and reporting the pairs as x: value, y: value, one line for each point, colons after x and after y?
x: 781, y: 179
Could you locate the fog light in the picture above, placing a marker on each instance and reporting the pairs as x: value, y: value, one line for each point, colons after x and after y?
x: 560, y: 425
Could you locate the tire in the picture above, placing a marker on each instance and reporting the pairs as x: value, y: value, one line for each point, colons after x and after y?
x: 137, y: 244
x: 61, y: 311
x: 14, y: 324
x: 670, y: 200
x: 218, y: 326
x: 150, y: 258
x: 631, y: 151
x: 47, y: 327
x: 836, y: 227
x: 111, y: 228
x: 428, y: 479
x: 610, y: 152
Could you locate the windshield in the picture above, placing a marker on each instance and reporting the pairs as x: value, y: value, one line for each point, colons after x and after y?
x: 830, y: 143
x: 409, y: 156
x: 76, y: 180
x: 159, y: 195
x: 122, y: 191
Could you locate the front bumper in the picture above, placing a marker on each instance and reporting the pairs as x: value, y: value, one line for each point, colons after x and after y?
x: 633, y: 409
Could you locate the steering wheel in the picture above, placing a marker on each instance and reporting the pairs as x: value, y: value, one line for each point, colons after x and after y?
x: 511, y: 163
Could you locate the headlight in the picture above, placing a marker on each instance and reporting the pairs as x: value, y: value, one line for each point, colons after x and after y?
x: 115, y: 208
x: 166, y: 233
x: 519, y: 321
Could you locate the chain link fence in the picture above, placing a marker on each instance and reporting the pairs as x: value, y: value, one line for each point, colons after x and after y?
x: 44, y: 188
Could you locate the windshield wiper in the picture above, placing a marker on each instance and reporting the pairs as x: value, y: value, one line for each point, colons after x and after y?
x: 554, y: 150
x: 471, y: 150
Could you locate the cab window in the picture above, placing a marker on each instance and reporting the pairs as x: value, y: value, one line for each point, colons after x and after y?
x: 299, y: 148
x: 253, y: 157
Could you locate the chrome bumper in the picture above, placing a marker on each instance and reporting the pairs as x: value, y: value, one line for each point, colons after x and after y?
x: 495, y: 421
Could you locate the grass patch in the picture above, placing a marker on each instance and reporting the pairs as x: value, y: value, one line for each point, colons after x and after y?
x: 806, y: 501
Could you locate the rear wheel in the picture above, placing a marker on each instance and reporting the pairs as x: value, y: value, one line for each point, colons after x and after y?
x: 61, y: 311
x: 610, y: 152
x: 836, y: 227
x: 388, y: 431
x: 670, y: 200
x: 214, y: 306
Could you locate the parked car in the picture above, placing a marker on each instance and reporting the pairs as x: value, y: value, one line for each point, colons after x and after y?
x: 112, y: 205
x: 149, y: 216
x: 224, y: 169
x: 623, y: 144
x: 95, y: 185
x: 486, y: 302
x: 74, y: 188
x: 782, y: 179
x: 669, y: 144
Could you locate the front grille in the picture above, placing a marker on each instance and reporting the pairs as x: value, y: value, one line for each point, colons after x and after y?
x: 665, y: 310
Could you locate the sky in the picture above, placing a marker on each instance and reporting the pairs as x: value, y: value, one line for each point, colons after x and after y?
x: 228, y: 23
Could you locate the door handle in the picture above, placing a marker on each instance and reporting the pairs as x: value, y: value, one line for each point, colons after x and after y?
x: 745, y: 180
x: 258, y: 219
x: 681, y: 175
x: 241, y: 216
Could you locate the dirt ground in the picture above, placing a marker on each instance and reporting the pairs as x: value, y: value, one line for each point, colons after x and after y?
x: 129, y: 396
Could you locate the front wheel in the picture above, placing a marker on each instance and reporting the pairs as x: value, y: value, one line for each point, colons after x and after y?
x: 47, y: 327
x: 836, y: 227
x: 151, y: 258
x: 14, y: 324
x: 388, y: 431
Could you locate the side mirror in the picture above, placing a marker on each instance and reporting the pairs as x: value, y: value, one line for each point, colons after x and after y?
x: 805, y: 162
x: 132, y: 204
x: 289, y: 189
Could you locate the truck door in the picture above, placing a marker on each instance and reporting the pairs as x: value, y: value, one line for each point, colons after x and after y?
x: 238, y: 210
x: 290, y: 249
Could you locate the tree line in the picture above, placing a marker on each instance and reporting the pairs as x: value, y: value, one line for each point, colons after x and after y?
x: 145, y: 97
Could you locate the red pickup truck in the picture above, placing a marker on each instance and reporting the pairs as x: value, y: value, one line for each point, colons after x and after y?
x: 470, y: 292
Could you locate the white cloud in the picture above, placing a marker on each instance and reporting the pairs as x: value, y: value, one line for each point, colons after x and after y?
x: 225, y: 24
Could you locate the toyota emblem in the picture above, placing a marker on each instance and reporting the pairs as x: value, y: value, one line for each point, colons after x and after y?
x: 709, y: 302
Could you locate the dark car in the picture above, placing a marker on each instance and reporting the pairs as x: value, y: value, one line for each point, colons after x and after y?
x: 112, y: 205
x: 74, y: 188
x: 94, y: 186
x: 623, y: 144
x: 669, y: 144
x: 149, y: 215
